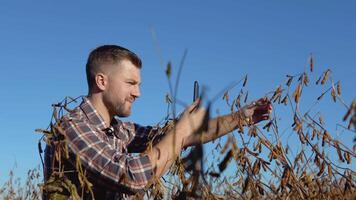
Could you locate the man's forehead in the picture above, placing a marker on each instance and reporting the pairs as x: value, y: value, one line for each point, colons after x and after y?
x: 127, y: 70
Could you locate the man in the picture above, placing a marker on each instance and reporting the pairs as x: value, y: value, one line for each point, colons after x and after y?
x: 107, y: 148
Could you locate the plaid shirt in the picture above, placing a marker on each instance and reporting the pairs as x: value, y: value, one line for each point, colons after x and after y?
x: 109, y: 154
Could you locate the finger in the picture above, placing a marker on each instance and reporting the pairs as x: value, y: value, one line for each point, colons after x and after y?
x: 261, y: 113
x: 265, y: 117
x: 261, y: 118
x: 262, y: 101
x: 267, y: 108
x: 263, y: 109
x: 194, y: 105
x: 266, y: 105
x: 252, y: 105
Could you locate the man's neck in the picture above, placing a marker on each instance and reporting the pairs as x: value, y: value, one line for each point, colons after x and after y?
x: 101, y: 108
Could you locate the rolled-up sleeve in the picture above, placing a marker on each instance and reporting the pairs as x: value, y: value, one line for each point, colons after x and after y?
x: 134, y: 172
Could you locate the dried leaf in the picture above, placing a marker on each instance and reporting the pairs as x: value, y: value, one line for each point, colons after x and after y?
x: 347, y: 157
x: 256, y: 144
x: 225, y: 161
x: 317, y: 160
x: 311, y: 62
x: 285, y: 100
x: 330, y: 172
x: 352, y: 122
x: 321, y: 96
x: 321, y: 120
x: 289, y: 81
x: 305, y: 79
x: 226, y: 146
x: 252, y: 131
x: 315, y: 132
x: 277, y: 93
x: 325, y: 77
x: 260, y: 190
x: 302, y: 138
x: 234, y: 147
x: 298, y: 126
x: 338, y: 87
x: 321, y: 169
x: 232, y: 107
x: 296, y: 93
x: 246, y: 185
x: 326, y: 137
x: 214, y: 174
x: 169, y: 69
x: 256, y: 167
x: 318, y: 81
x: 245, y: 81
x: 238, y: 101
x: 259, y: 147
x: 333, y: 94
x: 246, y: 96
x: 268, y: 125
x: 348, y: 113
x: 168, y: 99
x: 264, y: 166
x: 38, y: 130
x: 226, y: 97
x: 338, y: 150
x: 285, y: 177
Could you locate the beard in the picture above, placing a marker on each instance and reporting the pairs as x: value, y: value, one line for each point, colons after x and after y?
x: 116, y: 107
x: 122, y: 110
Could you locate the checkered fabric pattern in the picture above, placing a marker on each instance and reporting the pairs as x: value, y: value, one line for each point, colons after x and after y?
x: 110, y: 154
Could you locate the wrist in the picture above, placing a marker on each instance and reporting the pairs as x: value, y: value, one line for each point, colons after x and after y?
x: 187, y: 141
x: 243, y: 118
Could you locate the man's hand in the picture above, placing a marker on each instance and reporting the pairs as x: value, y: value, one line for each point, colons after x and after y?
x: 191, y: 119
x: 256, y: 111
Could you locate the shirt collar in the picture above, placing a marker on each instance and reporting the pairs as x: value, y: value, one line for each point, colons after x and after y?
x: 93, y: 115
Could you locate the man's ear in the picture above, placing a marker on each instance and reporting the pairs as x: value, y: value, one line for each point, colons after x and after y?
x: 101, y: 81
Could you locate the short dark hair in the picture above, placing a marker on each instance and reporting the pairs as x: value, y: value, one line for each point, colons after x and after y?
x: 108, y: 54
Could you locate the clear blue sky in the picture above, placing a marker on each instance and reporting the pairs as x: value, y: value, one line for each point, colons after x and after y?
x: 44, y: 47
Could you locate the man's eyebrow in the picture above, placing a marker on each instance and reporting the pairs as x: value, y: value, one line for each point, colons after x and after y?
x: 134, y: 81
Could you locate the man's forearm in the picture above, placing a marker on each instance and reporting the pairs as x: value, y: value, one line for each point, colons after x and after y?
x: 217, y: 127
x: 165, y: 152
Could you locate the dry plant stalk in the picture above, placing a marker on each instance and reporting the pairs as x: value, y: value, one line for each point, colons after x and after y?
x: 266, y: 169
x: 254, y: 162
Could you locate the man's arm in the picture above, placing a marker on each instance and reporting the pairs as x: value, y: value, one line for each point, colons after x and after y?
x: 109, y: 165
x: 219, y: 126
x: 165, y: 152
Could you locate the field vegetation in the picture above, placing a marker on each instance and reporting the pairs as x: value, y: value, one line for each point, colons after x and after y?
x: 306, y: 160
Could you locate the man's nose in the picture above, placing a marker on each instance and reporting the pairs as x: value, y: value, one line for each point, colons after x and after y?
x: 136, y: 92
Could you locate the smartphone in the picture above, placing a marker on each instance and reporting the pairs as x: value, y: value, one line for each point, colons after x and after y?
x: 196, y: 91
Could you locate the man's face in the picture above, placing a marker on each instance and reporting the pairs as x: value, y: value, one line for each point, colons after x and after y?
x: 123, y: 88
